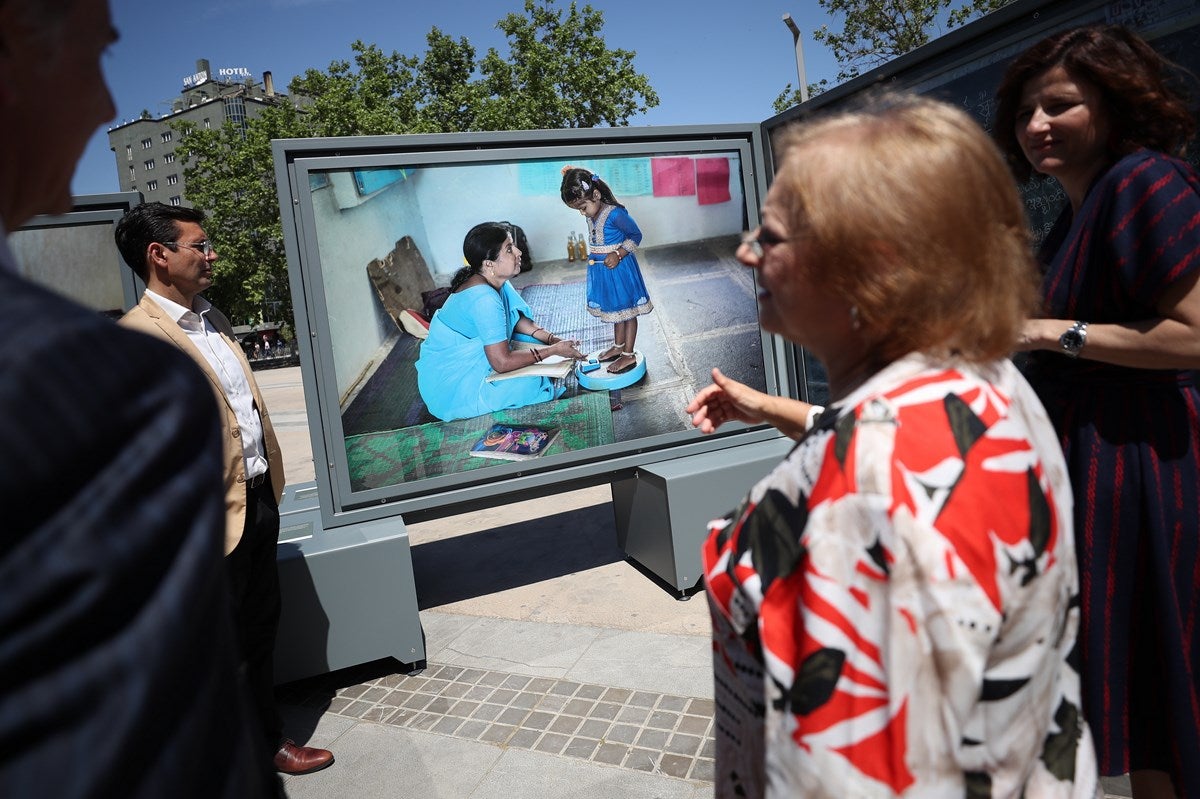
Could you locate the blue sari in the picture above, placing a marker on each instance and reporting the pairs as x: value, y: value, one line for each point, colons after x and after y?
x: 452, y: 368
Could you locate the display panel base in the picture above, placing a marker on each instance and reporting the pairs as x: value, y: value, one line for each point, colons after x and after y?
x: 348, y: 593
x: 662, y: 512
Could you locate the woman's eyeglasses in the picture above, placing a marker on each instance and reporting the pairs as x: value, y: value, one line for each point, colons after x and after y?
x: 758, y: 240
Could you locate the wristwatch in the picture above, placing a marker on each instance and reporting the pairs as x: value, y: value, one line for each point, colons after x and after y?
x: 1073, y: 340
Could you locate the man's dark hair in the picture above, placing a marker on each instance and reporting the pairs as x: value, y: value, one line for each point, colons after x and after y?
x: 146, y: 224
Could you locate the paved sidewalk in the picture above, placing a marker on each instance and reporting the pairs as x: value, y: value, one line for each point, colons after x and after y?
x: 555, y: 668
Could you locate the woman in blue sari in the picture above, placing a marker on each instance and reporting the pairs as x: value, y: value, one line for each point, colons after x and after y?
x: 469, y: 336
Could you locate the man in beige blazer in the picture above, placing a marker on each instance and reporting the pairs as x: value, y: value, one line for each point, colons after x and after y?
x: 168, y: 249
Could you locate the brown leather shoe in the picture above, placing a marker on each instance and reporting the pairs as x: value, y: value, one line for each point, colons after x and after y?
x: 293, y: 759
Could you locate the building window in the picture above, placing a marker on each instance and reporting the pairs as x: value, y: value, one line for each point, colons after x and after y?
x: 207, y: 124
x: 147, y: 144
x: 176, y: 200
x: 149, y: 164
x: 166, y: 137
x: 169, y: 158
x: 128, y: 152
x: 132, y: 174
x: 235, y: 111
x: 172, y: 180
x: 151, y: 185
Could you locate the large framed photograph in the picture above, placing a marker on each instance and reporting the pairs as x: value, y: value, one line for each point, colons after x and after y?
x: 377, y: 228
x: 74, y: 254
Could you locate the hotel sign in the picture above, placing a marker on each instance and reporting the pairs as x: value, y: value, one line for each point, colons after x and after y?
x: 225, y: 73
x: 195, y: 79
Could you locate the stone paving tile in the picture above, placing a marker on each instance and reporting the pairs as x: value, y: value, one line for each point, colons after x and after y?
x: 638, y: 730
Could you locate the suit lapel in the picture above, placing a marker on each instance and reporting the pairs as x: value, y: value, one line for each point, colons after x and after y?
x: 180, y: 339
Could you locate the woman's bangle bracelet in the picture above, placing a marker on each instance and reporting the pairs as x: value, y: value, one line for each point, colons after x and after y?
x: 537, y: 356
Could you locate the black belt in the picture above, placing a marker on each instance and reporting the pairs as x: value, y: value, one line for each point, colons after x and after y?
x: 255, y: 482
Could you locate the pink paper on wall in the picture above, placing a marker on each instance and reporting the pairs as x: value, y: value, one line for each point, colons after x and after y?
x: 673, y: 177
x: 712, y: 180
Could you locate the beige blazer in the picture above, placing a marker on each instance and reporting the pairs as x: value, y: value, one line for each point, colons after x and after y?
x: 149, y: 317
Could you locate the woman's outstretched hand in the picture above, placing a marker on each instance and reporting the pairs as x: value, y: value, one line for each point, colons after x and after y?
x: 567, y: 348
x: 724, y: 401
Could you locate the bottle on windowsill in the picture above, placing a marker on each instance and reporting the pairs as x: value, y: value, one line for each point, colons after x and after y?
x: 571, y: 247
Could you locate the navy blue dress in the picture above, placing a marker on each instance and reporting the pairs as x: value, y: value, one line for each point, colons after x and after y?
x: 1132, y: 438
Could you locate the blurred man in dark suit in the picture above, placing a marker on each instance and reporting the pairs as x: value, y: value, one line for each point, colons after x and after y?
x: 118, y: 667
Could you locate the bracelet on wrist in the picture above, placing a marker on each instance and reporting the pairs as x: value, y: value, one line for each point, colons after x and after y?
x: 537, y: 355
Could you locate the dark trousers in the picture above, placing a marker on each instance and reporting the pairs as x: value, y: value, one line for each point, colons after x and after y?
x: 254, y: 580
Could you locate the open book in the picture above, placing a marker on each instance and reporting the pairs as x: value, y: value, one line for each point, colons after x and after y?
x: 514, y: 442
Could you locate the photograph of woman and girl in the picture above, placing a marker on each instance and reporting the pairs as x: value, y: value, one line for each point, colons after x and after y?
x: 403, y: 396
x: 471, y: 335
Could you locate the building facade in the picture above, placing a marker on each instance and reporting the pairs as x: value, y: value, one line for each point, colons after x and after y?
x: 145, y: 148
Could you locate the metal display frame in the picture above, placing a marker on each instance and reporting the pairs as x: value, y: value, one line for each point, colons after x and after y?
x: 298, y: 159
x: 93, y: 209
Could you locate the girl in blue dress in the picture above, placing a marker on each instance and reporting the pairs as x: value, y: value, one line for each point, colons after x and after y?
x: 615, y: 290
x: 469, y: 336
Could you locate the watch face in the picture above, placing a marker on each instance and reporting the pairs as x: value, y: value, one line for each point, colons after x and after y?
x: 1072, y: 340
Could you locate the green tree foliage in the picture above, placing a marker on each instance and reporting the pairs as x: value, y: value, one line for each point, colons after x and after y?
x: 876, y: 31
x: 231, y: 177
x: 558, y: 73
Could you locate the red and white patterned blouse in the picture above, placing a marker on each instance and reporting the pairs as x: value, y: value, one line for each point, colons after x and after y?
x: 894, y: 605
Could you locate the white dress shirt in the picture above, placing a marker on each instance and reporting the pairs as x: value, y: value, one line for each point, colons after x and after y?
x: 216, y: 350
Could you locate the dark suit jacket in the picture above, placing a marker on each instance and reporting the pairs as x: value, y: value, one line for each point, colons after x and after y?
x: 118, y: 666
x: 149, y: 317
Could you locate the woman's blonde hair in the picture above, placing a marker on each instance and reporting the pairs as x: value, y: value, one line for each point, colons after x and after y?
x: 912, y: 217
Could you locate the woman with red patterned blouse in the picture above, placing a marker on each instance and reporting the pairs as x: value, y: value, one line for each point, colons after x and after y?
x: 894, y: 605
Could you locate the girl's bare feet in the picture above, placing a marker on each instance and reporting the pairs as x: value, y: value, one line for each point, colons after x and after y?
x: 611, y: 353
x: 623, y: 364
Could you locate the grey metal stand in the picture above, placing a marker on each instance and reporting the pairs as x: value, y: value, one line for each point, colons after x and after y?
x: 348, y: 593
x: 662, y: 511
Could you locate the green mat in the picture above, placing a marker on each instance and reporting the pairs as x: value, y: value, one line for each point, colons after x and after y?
x: 391, y: 457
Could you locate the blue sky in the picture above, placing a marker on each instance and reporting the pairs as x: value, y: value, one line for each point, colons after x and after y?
x: 711, y: 61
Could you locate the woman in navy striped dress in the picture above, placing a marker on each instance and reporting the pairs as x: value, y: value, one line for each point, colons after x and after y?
x: 1097, y: 109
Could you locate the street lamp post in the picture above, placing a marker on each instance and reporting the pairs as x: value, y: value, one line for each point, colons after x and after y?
x: 791, y: 23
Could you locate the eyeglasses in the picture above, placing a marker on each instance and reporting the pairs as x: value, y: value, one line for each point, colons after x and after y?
x: 204, y: 247
x: 758, y: 239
